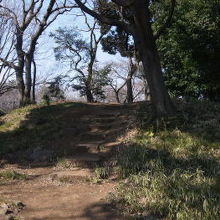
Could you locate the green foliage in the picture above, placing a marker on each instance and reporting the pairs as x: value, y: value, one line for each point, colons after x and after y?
x: 54, y: 90
x: 65, y: 164
x: 12, y: 175
x: 69, y: 42
x: 181, y: 195
x: 72, y: 48
x: 190, y: 49
x: 116, y: 40
x: 46, y: 99
x: 100, y: 80
x: 102, y: 172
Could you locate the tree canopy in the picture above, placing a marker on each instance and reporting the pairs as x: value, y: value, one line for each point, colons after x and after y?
x: 190, y: 49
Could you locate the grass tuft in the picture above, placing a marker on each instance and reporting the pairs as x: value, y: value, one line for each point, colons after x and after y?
x: 12, y: 175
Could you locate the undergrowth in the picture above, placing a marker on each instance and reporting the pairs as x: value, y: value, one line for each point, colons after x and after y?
x: 174, y: 173
x: 12, y: 175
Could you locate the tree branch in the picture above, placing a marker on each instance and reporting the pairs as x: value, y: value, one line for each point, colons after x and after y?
x: 167, y: 24
x: 8, y: 63
x: 103, y: 19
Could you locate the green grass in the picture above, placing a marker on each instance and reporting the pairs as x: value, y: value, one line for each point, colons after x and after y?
x: 12, y: 175
x: 64, y: 164
x: 173, y: 173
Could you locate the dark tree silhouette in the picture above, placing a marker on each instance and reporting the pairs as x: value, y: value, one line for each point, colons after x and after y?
x: 135, y: 18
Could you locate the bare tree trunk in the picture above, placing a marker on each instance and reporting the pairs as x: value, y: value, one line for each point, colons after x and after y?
x: 20, y: 66
x: 145, y: 42
x: 117, y: 97
x: 89, y: 96
x: 34, y: 82
x: 34, y: 12
x: 28, y: 79
x: 20, y: 85
x: 129, y: 96
x: 133, y: 68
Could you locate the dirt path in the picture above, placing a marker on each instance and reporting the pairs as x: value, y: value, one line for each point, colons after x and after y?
x: 47, y: 198
x: 67, y: 190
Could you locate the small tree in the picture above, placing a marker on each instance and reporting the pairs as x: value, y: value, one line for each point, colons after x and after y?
x: 54, y: 90
x: 117, y: 40
x: 125, y: 86
x: 100, y: 81
x: 80, y: 54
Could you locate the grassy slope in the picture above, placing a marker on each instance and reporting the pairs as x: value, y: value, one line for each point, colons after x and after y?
x: 174, y: 173
x: 35, y: 126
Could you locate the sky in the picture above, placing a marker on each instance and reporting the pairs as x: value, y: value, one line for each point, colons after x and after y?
x: 45, y: 59
x: 47, y: 66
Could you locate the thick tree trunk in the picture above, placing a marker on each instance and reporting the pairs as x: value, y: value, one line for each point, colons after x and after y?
x: 28, y: 79
x: 89, y: 96
x: 146, y: 46
x: 20, y: 66
x: 20, y: 85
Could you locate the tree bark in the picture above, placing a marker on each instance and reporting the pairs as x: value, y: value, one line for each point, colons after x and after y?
x: 20, y: 85
x: 146, y: 45
x: 28, y: 79
x: 146, y: 91
x: 133, y: 68
x: 117, y: 97
x: 20, y: 66
x: 89, y: 95
x: 34, y: 82
x: 129, y: 96
x: 88, y: 82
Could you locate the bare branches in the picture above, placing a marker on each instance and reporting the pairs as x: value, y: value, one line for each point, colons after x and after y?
x: 7, y: 12
x: 167, y: 22
x: 6, y: 43
x: 8, y: 63
x: 30, y: 19
x: 6, y: 54
x: 77, y: 62
x: 115, y: 87
x: 5, y: 84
